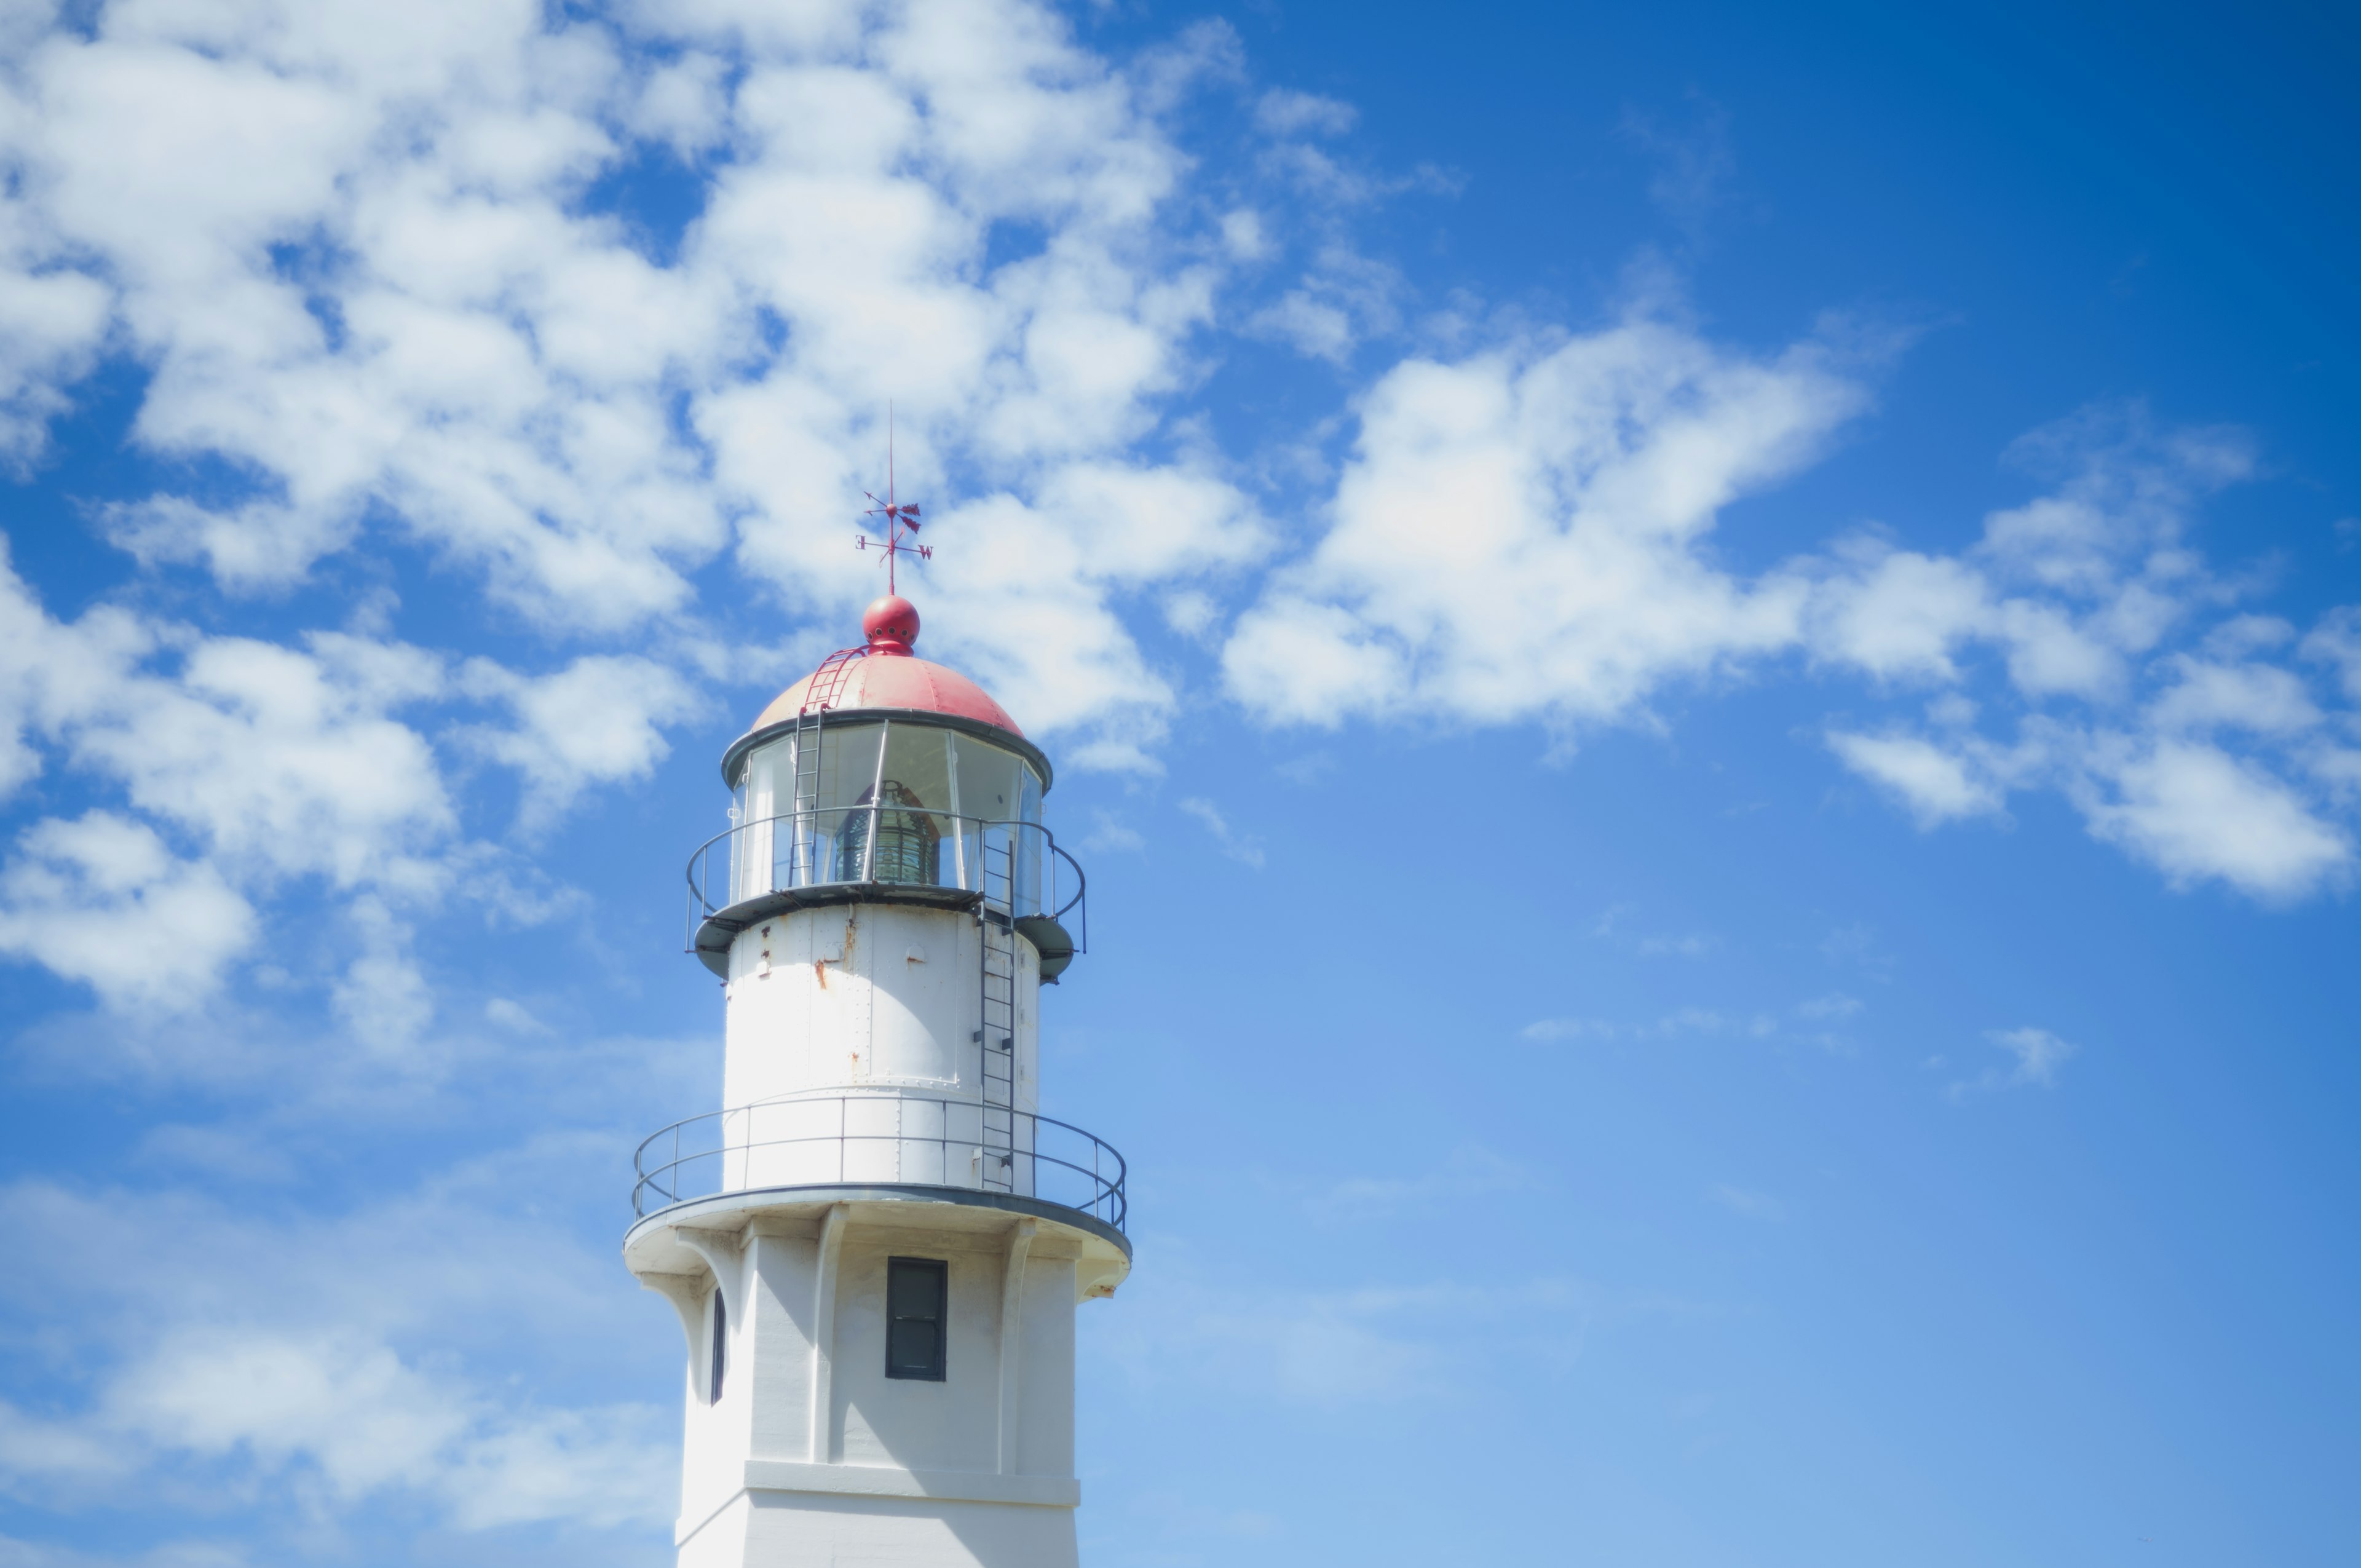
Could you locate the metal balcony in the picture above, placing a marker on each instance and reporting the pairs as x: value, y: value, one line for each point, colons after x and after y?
x: 918, y: 1145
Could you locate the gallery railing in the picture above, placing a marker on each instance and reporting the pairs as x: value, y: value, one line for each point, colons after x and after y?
x: 1016, y: 867
x: 893, y: 1139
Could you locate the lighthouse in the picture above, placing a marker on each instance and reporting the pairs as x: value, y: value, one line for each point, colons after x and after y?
x: 877, y: 1244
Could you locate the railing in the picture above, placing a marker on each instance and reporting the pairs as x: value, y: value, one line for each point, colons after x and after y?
x: 867, y: 1139
x: 890, y: 844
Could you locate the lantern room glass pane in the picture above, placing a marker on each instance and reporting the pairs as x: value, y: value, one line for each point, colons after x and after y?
x: 987, y: 779
x: 758, y: 836
x: 991, y: 796
x: 832, y: 789
x: 1028, y: 846
x: 901, y: 840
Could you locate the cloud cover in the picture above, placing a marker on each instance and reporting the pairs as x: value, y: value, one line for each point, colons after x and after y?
x: 373, y: 271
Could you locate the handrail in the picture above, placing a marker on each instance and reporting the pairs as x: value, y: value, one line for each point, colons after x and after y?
x: 810, y: 852
x: 973, y: 1147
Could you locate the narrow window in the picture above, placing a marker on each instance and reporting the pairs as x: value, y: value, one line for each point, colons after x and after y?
x: 720, y: 1344
x: 914, y: 1318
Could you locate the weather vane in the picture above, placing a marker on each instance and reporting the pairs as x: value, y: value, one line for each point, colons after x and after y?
x: 901, y: 522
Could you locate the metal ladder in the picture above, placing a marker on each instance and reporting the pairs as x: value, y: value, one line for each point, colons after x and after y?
x: 996, y: 1041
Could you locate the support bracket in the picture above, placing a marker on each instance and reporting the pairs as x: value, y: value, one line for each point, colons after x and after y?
x: 687, y: 1294
x: 724, y: 1252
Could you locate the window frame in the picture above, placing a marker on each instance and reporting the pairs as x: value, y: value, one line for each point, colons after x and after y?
x: 938, y: 1369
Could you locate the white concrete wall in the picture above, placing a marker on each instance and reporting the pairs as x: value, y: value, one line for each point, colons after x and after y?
x: 787, y: 1529
x: 784, y: 1529
x: 950, y: 1425
x: 714, y: 1435
x: 881, y: 1433
x: 1045, y: 1412
x: 865, y: 997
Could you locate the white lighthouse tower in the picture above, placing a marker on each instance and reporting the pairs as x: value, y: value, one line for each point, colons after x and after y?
x: 877, y: 1246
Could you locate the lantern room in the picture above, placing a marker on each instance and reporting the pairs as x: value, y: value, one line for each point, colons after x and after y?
x: 885, y: 777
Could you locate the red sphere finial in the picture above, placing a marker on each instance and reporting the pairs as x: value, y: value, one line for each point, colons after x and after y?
x: 891, y: 624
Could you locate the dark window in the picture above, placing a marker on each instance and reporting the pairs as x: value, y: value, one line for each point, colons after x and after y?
x: 720, y: 1343
x: 914, y: 1292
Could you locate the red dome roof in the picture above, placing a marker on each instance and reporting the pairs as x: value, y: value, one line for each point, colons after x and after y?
x: 907, y: 683
x: 887, y: 674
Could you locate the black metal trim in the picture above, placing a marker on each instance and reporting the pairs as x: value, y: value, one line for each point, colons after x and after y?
x: 975, y: 727
x: 894, y: 1192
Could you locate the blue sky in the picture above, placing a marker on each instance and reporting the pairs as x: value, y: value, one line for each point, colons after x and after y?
x: 1707, y: 665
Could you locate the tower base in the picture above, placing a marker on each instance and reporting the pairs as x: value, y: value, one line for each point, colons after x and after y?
x: 778, y: 1528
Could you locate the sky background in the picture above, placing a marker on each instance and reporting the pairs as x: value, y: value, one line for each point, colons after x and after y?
x: 1706, y: 659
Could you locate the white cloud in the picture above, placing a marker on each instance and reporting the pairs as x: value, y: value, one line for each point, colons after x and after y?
x: 2207, y: 695
x: 2037, y: 1056
x: 1900, y: 615
x: 1523, y: 534
x: 2336, y: 642
x: 2337, y: 771
x: 2124, y: 492
x: 277, y: 763
x: 514, y: 1016
x: 1242, y: 848
x: 1317, y: 328
x: 52, y: 324
x: 2197, y: 811
x: 2069, y: 588
x: 328, y: 1358
x: 2078, y: 592
x: 283, y: 761
x: 2050, y: 654
x: 1284, y: 112
x: 14, y: 1553
x: 383, y: 999
x: 1543, y: 1029
x: 1938, y: 786
x: 345, y: 1407
x: 597, y: 721
x: 38, y: 1454
x: 1342, y: 300
x: 1109, y: 832
x: 359, y: 262
x: 2038, y: 1051
x: 1243, y: 235
x: 101, y: 900
x: 356, y: 259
